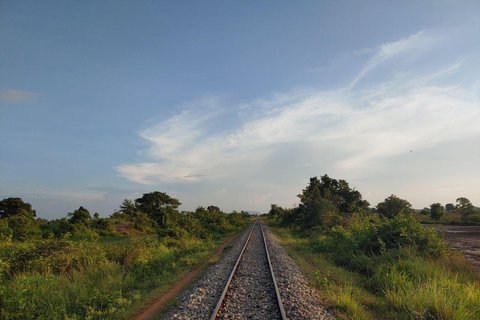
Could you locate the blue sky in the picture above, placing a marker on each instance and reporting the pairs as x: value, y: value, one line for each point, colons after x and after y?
x: 237, y: 104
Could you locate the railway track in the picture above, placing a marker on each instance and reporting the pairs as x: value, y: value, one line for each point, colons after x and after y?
x: 251, y: 291
x: 247, y: 287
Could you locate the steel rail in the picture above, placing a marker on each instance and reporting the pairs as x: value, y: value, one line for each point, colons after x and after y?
x: 277, y: 292
x: 222, y: 297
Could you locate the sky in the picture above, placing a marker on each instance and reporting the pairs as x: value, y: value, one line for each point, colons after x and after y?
x: 237, y: 103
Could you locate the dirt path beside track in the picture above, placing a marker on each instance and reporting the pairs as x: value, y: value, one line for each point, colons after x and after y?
x: 155, y: 305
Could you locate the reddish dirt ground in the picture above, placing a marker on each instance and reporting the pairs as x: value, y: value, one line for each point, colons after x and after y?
x: 126, y: 229
x: 159, y: 302
x: 465, y: 238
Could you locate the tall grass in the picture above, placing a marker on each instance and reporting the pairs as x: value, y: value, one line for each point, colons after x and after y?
x: 393, y: 283
x: 62, y: 279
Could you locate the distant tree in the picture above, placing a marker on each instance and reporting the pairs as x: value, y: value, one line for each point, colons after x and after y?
x: 392, y: 206
x: 450, y: 207
x: 245, y: 214
x: 24, y: 226
x: 57, y: 228
x: 13, y: 206
x: 159, y: 206
x: 128, y: 207
x: 213, y: 209
x: 436, y: 211
x: 425, y: 211
x: 80, y: 216
x: 464, y: 207
x: 96, y: 216
x: 338, y: 192
x: 275, y: 211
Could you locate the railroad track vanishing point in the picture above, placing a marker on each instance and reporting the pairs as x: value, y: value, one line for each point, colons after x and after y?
x: 251, y: 291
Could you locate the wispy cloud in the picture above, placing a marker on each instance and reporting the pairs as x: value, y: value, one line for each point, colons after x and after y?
x: 17, y: 95
x: 349, y: 129
x: 411, y: 46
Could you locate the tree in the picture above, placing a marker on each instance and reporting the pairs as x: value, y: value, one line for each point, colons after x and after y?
x: 338, y: 192
x: 14, y: 206
x: 436, y: 211
x: 450, y: 207
x: 24, y: 226
x: 393, y: 206
x: 80, y: 216
x: 425, y: 211
x: 159, y: 206
x: 464, y: 207
x: 213, y: 209
x: 128, y: 207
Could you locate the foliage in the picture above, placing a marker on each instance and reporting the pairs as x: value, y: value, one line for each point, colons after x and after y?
x: 23, y: 226
x: 128, y: 208
x: 337, y: 192
x: 450, y: 207
x: 436, y: 211
x: 80, y: 216
x: 96, y: 279
x: 371, y: 239
x: 393, y: 206
x: 399, y: 285
x: 159, y: 206
x: 14, y: 206
x: 323, y: 203
x: 464, y: 207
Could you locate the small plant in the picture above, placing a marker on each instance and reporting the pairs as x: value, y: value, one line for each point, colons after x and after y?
x: 321, y: 279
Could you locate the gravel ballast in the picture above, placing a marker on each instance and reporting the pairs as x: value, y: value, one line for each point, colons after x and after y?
x: 300, y: 301
x: 199, y: 301
x: 252, y: 295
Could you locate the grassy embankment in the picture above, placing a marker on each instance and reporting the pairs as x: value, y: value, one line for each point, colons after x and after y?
x: 401, y: 283
x: 103, y: 279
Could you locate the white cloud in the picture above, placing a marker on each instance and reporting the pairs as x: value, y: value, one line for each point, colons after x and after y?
x: 412, y: 46
x: 348, y: 130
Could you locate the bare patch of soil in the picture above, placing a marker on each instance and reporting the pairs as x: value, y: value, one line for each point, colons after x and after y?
x: 127, y: 229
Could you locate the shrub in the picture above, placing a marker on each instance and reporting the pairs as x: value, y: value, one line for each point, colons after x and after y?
x: 371, y: 239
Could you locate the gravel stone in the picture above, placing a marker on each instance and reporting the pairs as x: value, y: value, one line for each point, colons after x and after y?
x: 251, y: 294
x: 301, y: 302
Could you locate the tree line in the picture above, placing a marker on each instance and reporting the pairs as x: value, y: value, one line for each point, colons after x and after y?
x: 327, y: 202
x: 154, y: 212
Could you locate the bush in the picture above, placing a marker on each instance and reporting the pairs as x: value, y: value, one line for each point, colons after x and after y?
x: 371, y: 239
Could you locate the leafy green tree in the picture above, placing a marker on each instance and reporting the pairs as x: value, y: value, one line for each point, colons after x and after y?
x: 450, y: 207
x: 128, y: 207
x: 393, y: 206
x: 56, y: 228
x: 159, y: 206
x: 5, y: 230
x: 425, y: 211
x: 465, y: 208
x: 80, y: 216
x: 338, y: 192
x: 436, y: 211
x: 13, y: 206
x: 24, y: 226
x: 213, y: 209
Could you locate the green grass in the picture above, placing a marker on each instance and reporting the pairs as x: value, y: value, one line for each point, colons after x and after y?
x: 410, y: 287
x: 84, y: 279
